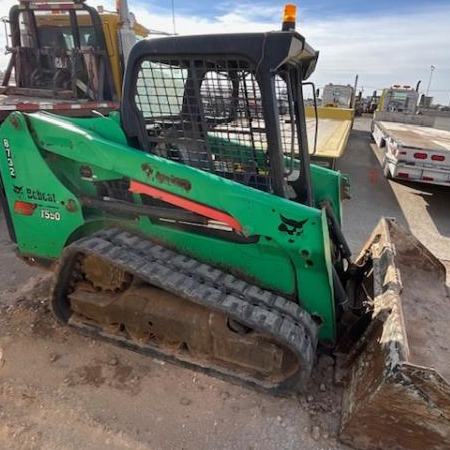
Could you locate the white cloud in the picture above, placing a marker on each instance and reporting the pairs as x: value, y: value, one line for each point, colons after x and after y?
x: 382, y: 50
x: 386, y: 50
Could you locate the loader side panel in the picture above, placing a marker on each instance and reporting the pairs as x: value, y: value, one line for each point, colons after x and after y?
x: 81, y: 182
x: 330, y: 186
x: 4, y: 205
x: 43, y: 212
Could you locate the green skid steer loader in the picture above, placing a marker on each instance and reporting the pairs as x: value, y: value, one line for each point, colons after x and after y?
x: 192, y: 226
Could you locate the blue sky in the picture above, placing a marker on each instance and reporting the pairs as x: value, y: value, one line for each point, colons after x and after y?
x: 310, y: 9
x: 384, y: 42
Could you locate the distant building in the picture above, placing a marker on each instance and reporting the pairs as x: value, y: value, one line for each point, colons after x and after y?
x: 425, y: 101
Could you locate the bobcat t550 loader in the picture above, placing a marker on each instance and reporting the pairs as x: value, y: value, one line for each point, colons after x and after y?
x: 193, y: 226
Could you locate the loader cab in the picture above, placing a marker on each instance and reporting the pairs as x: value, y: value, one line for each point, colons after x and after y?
x: 59, y: 50
x: 228, y: 104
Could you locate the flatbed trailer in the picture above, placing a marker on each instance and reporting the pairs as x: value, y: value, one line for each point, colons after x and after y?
x: 61, y: 106
x: 334, y: 127
x: 414, y: 152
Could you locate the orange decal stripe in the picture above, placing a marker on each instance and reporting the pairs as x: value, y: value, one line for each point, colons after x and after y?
x: 203, y: 210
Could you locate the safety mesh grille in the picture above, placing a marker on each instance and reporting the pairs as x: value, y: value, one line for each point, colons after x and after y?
x: 208, y: 114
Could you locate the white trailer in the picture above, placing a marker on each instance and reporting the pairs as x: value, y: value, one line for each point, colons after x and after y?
x: 414, y: 152
x: 338, y: 96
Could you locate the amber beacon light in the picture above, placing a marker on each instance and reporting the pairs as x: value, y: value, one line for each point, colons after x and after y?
x: 289, y: 15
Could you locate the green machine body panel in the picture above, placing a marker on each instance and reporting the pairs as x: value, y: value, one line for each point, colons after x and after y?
x: 57, y: 166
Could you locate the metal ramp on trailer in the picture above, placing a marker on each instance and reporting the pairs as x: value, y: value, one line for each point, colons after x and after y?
x: 334, y: 127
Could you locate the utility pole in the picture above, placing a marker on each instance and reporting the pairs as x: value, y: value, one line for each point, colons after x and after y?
x: 429, y: 80
x: 173, y: 17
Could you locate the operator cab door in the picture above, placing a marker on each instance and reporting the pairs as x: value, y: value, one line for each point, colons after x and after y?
x: 231, y: 105
x: 218, y: 116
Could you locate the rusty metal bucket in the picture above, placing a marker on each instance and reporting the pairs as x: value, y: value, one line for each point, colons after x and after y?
x: 398, y: 391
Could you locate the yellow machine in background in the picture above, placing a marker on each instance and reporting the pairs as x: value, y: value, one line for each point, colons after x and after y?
x: 112, y: 25
x: 66, y: 57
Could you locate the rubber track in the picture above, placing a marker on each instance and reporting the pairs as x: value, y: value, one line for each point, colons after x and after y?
x: 259, y: 309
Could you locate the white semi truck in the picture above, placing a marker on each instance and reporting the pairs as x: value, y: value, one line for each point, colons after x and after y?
x: 338, y: 95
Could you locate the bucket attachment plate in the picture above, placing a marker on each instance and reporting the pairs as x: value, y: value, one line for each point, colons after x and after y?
x: 398, y: 395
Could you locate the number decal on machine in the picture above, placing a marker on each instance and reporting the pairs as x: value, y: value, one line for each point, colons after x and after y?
x: 50, y: 215
x: 9, y: 158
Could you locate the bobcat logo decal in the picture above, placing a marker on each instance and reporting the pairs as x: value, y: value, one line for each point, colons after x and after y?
x: 291, y: 227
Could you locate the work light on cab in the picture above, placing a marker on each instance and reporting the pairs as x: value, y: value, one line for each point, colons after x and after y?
x: 289, y: 16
